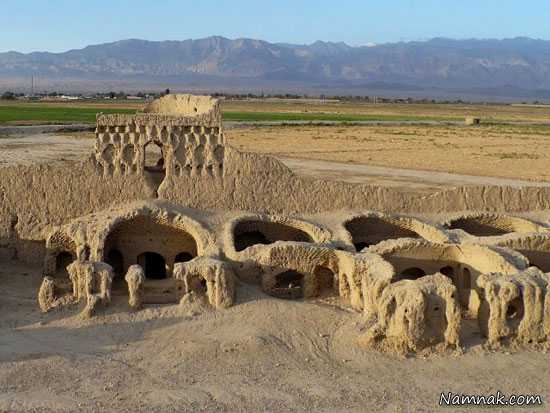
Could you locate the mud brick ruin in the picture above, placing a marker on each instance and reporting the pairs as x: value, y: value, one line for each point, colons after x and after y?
x: 164, y: 211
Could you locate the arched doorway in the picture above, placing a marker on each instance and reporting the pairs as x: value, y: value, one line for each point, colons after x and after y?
x: 115, y: 260
x: 170, y: 242
x: 153, y: 265
x: 62, y: 261
x: 154, y: 163
x: 324, y: 278
x: 289, y: 285
x: 154, y: 157
x: 183, y: 257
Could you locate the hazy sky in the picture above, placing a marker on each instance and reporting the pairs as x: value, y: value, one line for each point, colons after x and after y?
x: 58, y: 25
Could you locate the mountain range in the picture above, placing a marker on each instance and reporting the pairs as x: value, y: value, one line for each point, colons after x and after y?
x: 519, y: 66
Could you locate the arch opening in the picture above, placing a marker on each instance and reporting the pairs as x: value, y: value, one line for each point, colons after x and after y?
x: 154, y: 157
x: 183, y: 257
x: 116, y: 260
x: 481, y: 227
x: 412, y: 273
x: 144, y: 233
x: 153, y: 265
x: 253, y: 232
x: 62, y: 261
x: 367, y: 231
x: 515, y: 312
x: 288, y: 285
x: 324, y: 278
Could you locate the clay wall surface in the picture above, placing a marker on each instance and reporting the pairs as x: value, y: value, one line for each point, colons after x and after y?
x: 36, y: 198
x: 199, y: 170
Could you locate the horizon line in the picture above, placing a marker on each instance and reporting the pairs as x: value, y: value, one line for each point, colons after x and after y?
x: 368, y: 44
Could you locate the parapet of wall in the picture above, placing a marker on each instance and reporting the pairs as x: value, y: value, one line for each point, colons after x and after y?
x: 170, y: 110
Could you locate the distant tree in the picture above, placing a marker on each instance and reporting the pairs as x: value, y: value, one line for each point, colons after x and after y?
x: 112, y: 95
x: 8, y: 96
x: 167, y: 92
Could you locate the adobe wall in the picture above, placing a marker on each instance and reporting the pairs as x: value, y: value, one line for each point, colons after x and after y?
x: 212, y: 175
x: 35, y: 198
x: 262, y: 184
x: 201, y: 171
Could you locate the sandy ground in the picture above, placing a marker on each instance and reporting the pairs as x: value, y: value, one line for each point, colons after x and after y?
x: 504, y: 151
x: 43, y: 148
x: 488, y: 113
x: 263, y: 354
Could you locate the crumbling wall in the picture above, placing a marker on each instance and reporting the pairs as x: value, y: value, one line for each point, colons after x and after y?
x: 36, y: 198
x: 413, y: 315
x: 217, y: 275
x: 535, y: 247
x: 489, y: 225
x: 515, y: 307
x: 196, y: 151
x: 373, y: 227
x: 202, y: 110
x: 461, y: 263
x: 262, y: 184
x: 91, y: 284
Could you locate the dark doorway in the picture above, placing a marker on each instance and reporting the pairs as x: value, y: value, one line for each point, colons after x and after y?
x: 466, y: 279
x: 515, y: 312
x: 62, y: 261
x: 289, y: 284
x: 153, y: 265
x: 448, y: 271
x: 115, y: 260
x: 412, y: 273
x: 324, y: 278
x: 183, y: 257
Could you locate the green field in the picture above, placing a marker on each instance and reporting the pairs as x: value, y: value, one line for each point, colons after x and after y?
x: 49, y: 114
x: 65, y: 114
